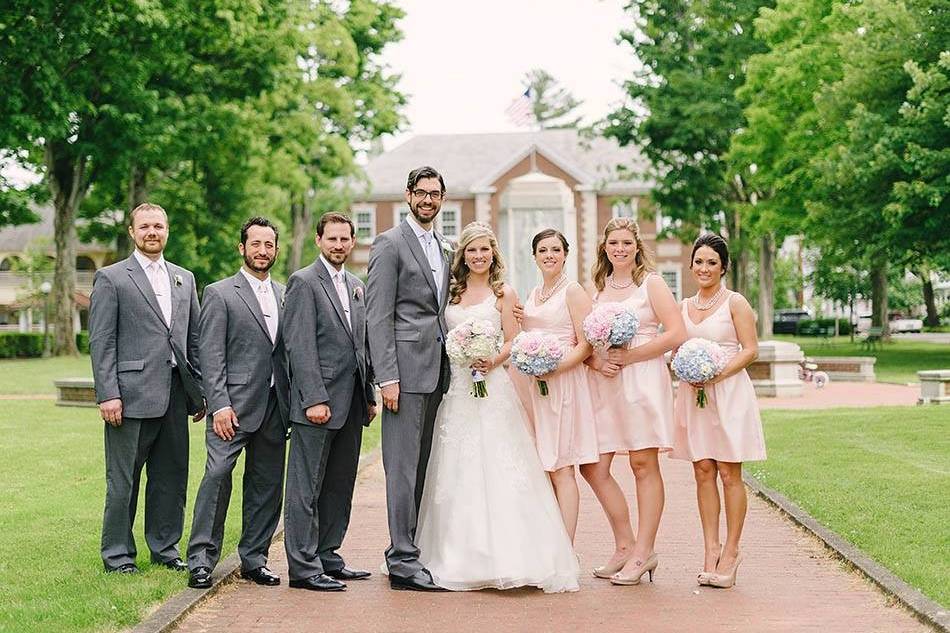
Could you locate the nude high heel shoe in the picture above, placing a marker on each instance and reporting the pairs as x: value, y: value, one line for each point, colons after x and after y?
x: 725, y: 581
x: 703, y: 578
x: 643, y: 567
x: 606, y: 571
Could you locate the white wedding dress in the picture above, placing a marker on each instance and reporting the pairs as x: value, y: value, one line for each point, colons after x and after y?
x: 488, y: 517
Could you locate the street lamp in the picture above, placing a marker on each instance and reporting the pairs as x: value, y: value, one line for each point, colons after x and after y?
x: 46, y: 287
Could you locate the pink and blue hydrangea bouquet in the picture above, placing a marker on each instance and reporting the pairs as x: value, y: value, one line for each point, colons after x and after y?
x: 610, y: 325
x: 535, y: 354
x: 697, y: 361
x: 470, y: 341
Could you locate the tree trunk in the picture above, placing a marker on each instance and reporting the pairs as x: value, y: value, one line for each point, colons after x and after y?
x: 301, y: 217
x: 733, y: 228
x: 879, y: 296
x: 66, y: 178
x: 137, y: 195
x: 933, y: 317
x: 766, y: 284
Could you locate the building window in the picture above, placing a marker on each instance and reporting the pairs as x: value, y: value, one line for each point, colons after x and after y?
x: 625, y: 208
x: 448, y: 221
x: 400, y: 211
x: 672, y: 278
x: 364, y: 219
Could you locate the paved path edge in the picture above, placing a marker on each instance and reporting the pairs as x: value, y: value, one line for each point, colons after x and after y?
x: 173, y: 610
x: 926, y: 610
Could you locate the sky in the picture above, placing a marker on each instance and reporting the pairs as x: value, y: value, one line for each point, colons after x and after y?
x: 462, y: 62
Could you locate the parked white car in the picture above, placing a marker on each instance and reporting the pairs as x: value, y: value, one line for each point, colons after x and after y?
x: 902, y: 325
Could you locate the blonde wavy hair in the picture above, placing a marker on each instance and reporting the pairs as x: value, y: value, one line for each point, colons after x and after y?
x: 460, y: 270
x: 643, y: 261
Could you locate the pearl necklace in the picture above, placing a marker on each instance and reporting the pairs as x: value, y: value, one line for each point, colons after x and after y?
x: 614, y: 284
x: 543, y: 297
x: 705, y: 305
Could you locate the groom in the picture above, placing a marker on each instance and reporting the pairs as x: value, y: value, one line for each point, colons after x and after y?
x: 407, y: 288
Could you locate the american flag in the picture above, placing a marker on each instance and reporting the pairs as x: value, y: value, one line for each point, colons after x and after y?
x: 519, y: 112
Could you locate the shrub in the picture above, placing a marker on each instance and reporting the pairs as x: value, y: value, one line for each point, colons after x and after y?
x: 82, y: 341
x: 815, y: 327
x: 21, y: 345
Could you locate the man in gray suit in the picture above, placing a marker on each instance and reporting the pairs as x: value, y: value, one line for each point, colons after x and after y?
x: 331, y: 399
x: 143, y: 340
x: 244, y: 369
x: 407, y: 291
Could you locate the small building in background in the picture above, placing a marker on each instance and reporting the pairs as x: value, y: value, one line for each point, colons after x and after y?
x: 21, y: 301
x: 521, y: 183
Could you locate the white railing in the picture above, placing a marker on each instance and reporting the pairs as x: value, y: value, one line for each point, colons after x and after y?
x: 21, y: 281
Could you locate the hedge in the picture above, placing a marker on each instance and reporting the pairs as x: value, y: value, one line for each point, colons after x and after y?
x: 21, y: 344
x: 82, y: 342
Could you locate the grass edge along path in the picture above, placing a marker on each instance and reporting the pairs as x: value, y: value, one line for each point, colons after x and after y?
x: 872, y: 476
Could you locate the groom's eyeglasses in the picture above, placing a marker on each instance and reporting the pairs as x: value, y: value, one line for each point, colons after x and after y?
x: 421, y: 194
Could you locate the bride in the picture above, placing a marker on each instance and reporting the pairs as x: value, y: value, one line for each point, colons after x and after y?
x: 488, y: 517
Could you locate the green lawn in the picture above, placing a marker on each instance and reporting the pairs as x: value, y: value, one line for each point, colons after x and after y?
x: 897, y: 361
x: 36, y: 375
x: 878, y: 477
x: 52, y: 488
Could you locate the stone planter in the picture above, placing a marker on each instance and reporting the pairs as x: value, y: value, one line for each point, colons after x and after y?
x: 775, y: 372
x: 847, y: 368
x: 75, y: 392
x: 934, y: 386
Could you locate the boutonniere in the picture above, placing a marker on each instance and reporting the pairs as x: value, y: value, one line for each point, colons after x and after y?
x: 447, y: 249
x: 178, y: 280
x: 358, y: 293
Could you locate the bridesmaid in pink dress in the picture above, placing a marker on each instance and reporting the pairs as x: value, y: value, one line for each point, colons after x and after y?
x: 633, y: 398
x: 728, y: 431
x: 563, y: 420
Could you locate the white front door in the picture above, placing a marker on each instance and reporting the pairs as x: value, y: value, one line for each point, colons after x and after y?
x: 516, y: 228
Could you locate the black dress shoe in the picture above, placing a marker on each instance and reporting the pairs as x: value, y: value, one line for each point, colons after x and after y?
x: 318, y: 583
x: 262, y: 576
x: 175, y: 564
x: 421, y: 581
x: 128, y: 568
x: 348, y: 574
x: 200, y: 578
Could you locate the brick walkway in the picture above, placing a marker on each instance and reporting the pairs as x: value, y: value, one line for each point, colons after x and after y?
x: 787, y: 583
x: 847, y: 394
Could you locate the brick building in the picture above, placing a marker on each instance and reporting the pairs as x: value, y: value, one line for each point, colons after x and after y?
x: 522, y: 183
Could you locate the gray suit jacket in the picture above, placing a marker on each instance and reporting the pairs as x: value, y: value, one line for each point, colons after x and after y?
x: 130, y: 344
x: 237, y: 355
x: 406, y: 322
x: 328, y: 360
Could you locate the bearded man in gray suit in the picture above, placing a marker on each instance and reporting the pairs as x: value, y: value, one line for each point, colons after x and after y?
x: 332, y: 398
x: 143, y: 340
x: 407, y: 289
x: 248, y: 390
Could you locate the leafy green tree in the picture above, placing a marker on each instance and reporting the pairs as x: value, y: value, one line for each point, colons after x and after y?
x: 682, y: 111
x: 552, y: 105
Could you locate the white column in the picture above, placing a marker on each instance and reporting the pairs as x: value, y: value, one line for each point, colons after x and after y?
x: 483, y: 204
x: 589, y: 230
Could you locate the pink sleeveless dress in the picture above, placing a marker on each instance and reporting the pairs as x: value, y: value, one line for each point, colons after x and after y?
x: 634, y: 409
x: 564, y: 430
x: 729, y: 428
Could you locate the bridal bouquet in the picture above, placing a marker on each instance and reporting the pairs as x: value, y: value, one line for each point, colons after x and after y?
x: 536, y: 354
x: 697, y: 361
x: 610, y: 325
x: 469, y: 341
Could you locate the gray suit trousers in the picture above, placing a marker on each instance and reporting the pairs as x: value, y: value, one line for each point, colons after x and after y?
x: 263, y: 481
x: 321, y: 474
x: 406, y: 443
x: 161, y: 446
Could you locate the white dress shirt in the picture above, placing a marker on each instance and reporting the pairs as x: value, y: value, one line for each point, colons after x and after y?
x: 433, y: 250
x: 339, y: 282
x: 157, y: 274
